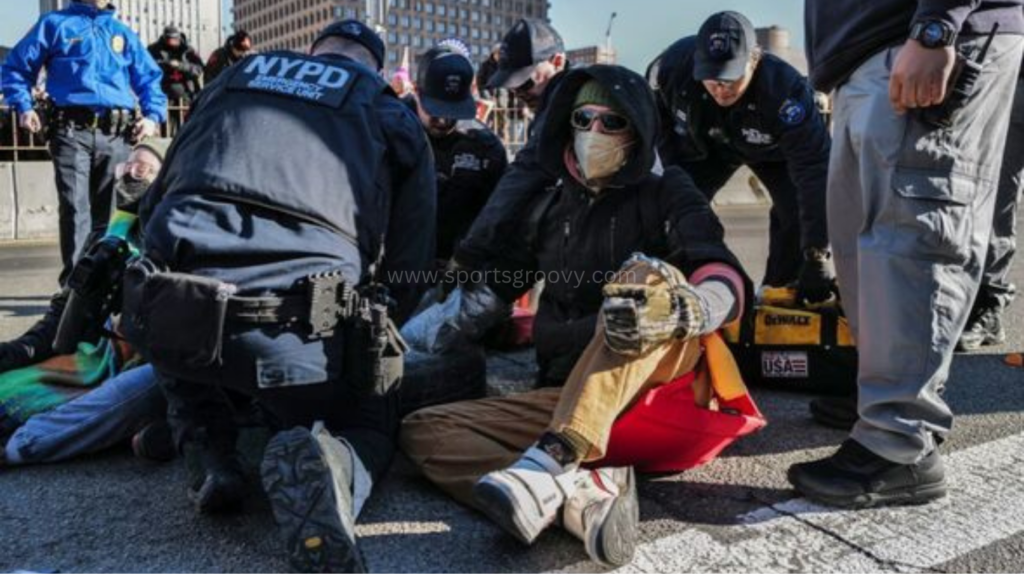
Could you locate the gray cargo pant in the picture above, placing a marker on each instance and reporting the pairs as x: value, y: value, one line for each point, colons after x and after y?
x: 996, y: 288
x: 910, y: 215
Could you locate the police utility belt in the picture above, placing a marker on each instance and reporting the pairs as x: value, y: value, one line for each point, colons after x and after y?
x: 115, y: 122
x: 179, y: 322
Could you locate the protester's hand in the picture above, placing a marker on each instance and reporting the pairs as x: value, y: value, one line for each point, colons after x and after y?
x: 920, y: 76
x: 639, y: 317
x: 144, y: 128
x: 817, y: 281
x: 30, y: 121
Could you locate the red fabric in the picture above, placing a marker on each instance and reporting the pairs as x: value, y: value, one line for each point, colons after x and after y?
x: 667, y: 432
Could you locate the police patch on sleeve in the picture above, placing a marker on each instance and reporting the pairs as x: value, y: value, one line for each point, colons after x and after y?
x: 296, y: 77
x: 792, y: 113
x: 117, y: 44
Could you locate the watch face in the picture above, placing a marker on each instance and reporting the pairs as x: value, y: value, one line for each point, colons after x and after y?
x: 932, y: 34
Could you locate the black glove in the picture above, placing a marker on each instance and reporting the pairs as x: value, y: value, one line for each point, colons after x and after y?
x: 817, y: 280
x: 453, y: 275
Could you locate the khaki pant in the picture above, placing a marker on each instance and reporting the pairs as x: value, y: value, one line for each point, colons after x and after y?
x: 455, y: 445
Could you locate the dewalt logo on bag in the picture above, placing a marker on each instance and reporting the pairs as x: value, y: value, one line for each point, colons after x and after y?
x: 781, y: 327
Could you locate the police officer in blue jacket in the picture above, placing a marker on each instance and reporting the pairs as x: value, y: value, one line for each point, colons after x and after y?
x: 97, y: 71
x: 291, y: 227
x: 725, y: 104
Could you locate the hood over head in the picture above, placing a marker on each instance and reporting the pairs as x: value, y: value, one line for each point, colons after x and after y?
x: 633, y: 98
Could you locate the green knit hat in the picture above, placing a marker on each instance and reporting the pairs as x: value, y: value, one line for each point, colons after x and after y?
x: 157, y: 146
x: 593, y: 92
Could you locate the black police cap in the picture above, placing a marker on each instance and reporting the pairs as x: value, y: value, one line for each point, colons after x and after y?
x: 724, y: 44
x: 357, y: 32
x: 444, y: 82
x: 528, y: 43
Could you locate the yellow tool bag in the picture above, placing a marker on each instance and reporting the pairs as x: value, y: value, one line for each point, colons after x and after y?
x: 780, y: 344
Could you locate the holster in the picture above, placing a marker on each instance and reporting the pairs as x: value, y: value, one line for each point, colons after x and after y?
x: 176, y: 320
x: 374, y: 348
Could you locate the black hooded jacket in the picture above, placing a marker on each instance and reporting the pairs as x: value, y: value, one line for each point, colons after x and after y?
x: 182, y: 68
x: 578, y: 240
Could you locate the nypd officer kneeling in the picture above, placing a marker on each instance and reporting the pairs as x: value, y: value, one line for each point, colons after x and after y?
x: 273, y: 271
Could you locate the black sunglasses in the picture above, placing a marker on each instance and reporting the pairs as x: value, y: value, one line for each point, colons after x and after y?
x: 611, y: 122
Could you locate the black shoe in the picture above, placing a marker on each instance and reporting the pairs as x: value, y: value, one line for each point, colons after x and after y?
x: 218, y: 485
x: 308, y: 477
x: 835, y: 412
x: 154, y: 442
x: 36, y: 345
x: 855, y: 477
x: 985, y: 328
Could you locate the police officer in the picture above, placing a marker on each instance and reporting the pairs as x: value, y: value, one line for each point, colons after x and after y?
x: 725, y: 103
x: 532, y: 62
x: 96, y: 68
x: 287, y: 264
x: 468, y: 157
x: 912, y: 186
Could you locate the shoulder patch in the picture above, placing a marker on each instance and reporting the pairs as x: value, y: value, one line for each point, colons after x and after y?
x: 117, y: 43
x: 296, y: 77
x: 792, y: 113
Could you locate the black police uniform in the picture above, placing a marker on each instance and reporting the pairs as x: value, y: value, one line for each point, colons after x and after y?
x: 469, y: 163
x: 775, y: 129
x: 291, y: 166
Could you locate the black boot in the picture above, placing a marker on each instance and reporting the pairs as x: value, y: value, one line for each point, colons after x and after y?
x: 308, y: 478
x: 217, y: 483
x: 855, y: 477
x: 835, y: 412
x: 36, y: 345
x: 984, y: 328
x: 154, y: 442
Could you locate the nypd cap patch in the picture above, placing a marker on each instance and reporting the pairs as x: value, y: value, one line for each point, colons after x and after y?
x: 792, y: 113
x: 295, y: 77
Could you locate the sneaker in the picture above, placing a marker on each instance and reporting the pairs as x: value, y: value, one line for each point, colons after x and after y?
x: 154, y: 442
x: 604, y: 513
x: 308, y: 477
x: 985, y: 328
x: 525, y: 498
x: 218, y: 485
x: 835, y: 412
x: 855, y: 477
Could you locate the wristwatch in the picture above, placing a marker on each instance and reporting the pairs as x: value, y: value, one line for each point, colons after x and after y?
x: 933, y: 33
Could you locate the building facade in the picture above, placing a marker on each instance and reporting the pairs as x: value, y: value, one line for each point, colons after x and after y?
x: 199, y: 20
x: 591, y: 55
x: 412, y: 24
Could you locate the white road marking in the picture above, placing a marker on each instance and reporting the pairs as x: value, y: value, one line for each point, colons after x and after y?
x: 986, y: 504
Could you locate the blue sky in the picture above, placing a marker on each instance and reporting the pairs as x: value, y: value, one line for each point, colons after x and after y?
x: 642, y: 30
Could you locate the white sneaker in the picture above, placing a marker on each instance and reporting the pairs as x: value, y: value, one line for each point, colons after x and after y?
x: 604, y: 512
x: 526, y: 497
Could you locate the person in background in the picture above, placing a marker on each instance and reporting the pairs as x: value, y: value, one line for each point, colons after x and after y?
x: 237, y: 46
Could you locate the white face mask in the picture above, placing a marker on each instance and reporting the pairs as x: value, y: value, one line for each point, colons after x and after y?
x: 601, y: 155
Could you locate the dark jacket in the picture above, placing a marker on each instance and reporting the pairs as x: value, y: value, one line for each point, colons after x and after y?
x: 220, y: 60
x: 579, y: 240
x: 506, y: 207
x: 843, y: 34
x: 182, y: 68
x: 280, y: 174
x: 469, y: 163
x: 776, y: 121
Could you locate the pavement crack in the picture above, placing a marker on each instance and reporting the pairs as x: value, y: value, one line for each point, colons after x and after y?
x: 894, y: 565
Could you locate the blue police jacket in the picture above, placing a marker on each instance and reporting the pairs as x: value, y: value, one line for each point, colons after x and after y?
x: 92, y: 60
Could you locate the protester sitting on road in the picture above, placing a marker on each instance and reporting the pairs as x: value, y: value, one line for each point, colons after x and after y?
x: 609, y: 337
x: 54, y: 408
x: 468, y: 157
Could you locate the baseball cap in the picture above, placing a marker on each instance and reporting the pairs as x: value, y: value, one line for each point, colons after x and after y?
x: 724, y: 44
x: 445, y: 83
x: 528, y: 43
x: 357, y: 32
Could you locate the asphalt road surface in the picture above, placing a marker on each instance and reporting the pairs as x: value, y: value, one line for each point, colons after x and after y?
x: 111, y: 513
